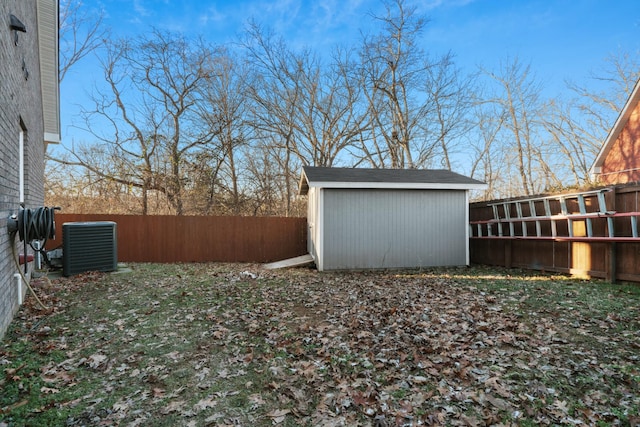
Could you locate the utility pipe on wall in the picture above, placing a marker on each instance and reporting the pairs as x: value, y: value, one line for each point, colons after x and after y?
x: 21, y: 167
x: 18, y: 278
x: 21, y: 189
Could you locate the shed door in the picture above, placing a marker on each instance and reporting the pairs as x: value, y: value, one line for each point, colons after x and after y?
x: 394, y: 228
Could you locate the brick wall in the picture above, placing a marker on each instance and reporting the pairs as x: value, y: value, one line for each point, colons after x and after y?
x: 21, y: 103
x: 622, y: 164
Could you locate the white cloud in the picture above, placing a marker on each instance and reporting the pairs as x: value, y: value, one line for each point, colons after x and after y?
x: 211, y: 16
x: 140, y: 9
x: 427, y: 6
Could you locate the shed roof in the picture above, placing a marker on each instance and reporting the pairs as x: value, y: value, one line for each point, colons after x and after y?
x: 435, y: 179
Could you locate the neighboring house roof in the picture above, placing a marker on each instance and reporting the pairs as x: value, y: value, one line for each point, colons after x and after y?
x: 617, y: 128
x: 438, y: 179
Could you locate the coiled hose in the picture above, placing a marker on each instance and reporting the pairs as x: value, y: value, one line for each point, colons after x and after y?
x: 31, y: 225
x: 37, y: 224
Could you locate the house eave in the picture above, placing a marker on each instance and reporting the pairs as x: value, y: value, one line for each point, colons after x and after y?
x: 48, y: 44
x: 52, y: 138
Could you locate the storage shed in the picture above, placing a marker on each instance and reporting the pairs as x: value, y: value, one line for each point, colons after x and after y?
x: 387, y: 218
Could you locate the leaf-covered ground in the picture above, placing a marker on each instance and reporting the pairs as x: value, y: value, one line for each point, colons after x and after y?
x: 222, y: 344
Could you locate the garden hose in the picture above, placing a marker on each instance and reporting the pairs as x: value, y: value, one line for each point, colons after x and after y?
x: 30, y: 225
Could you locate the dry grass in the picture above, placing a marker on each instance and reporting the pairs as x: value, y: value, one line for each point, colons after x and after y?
x: 222, y: 344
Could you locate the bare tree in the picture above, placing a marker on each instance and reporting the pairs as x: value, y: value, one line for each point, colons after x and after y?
x: 302, y: 106
x: 203, y: 172
x: 586, y: 119
x: 274, y: 92
x: 416, y: 102
x: 145, y: 119
x: 609, y: 89
x: 392, y: 63
x: 575, y: 145
x: 449, y: 92
x: 181, y: 127
x: 224, y: 109
x: 578, y: 126
x: 309, y: 103
x: 81, y: 32
x: 329, y: 117
x: 517, y: 95
x: 487, y: 120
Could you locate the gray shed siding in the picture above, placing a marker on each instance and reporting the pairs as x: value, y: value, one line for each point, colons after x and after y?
x: 372, y: 228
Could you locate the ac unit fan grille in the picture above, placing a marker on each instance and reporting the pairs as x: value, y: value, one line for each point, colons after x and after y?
x: 89, y: 246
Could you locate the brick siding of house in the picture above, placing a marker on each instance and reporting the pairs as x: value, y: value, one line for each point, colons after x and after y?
x: 21, y: 109
x: 622, y: 164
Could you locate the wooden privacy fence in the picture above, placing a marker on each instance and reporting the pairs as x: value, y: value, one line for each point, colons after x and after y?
x: 168, y: 239
x: 591, y: 233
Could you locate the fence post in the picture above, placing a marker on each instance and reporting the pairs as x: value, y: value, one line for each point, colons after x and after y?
x: 611, y: 265
x: 613, y: 246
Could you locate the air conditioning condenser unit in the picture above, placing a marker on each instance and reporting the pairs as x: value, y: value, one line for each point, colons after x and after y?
x: 89, y: 246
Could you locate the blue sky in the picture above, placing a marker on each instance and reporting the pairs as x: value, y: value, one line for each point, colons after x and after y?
x: 561, y: 39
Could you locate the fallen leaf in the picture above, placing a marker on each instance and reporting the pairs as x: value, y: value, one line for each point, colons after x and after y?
x: 278, y: 415
x: 173, y: 406
x: 96, y: 360
x: 205, y: 404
